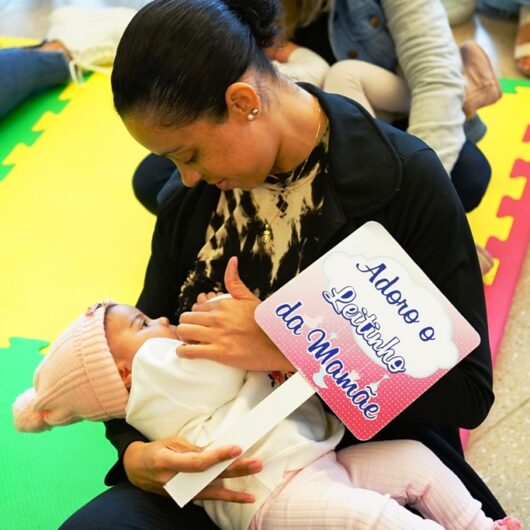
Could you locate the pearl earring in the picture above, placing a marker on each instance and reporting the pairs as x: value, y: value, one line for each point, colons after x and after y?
x: 252, y: 114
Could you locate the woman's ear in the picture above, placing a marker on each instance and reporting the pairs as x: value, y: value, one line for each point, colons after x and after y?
x: 243, y: 101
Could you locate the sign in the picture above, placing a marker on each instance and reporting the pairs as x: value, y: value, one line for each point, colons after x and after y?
x: 367, y: 328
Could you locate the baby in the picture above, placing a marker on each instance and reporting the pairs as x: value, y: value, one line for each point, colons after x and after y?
x: 114, y: 362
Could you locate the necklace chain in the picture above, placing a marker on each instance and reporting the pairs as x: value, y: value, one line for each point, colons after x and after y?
x: 266, y: 236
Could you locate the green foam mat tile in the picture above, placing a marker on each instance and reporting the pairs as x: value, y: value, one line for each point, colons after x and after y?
x: 16, y: 128
x: 44, y: 477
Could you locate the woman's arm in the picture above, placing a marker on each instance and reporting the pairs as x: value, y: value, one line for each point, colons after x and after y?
x: 429, y: 58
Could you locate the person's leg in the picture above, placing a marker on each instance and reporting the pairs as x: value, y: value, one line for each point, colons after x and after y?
x: 322, y: 496
x: 470, y: 176
x: 150, y: 179
x: 381, y: 92
x: 26, y: 71
x: 414, y: 475
x: 126, y: 507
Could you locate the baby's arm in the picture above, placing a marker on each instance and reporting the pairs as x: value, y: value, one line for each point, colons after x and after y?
x: 300, y: 64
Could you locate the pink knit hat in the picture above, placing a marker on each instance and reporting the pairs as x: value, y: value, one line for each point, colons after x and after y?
x: 78, y: 379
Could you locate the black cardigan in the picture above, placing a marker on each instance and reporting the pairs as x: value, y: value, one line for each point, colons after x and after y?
x: 376, y: 173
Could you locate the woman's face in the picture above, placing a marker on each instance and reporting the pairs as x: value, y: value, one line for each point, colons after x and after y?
x: 237, y: 153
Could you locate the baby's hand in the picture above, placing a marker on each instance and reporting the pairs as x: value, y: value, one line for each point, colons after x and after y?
x: 204, y: 297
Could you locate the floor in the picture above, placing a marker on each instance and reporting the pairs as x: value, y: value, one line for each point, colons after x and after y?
x: 499, y: 449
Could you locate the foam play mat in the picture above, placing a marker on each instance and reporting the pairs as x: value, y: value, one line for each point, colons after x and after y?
x: 73, y: 233
x: 501, y: 223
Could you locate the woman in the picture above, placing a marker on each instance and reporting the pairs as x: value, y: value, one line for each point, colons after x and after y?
x: 414, y: 35
x: 275, y: 174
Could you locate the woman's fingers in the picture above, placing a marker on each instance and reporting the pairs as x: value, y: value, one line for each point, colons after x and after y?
x: 242, y: 467
x: 194, y: 462
x: 201, y: 351
x: 192, y: 334
x: 197, y: 318
x: 218, y: 493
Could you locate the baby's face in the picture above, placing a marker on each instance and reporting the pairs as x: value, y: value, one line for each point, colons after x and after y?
x: 127, y: 329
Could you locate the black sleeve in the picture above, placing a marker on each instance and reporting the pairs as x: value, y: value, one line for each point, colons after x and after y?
x: 120, y: 434
x: 431, y: 225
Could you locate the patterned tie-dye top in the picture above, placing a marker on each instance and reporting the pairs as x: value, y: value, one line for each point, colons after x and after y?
x: 288, y: 205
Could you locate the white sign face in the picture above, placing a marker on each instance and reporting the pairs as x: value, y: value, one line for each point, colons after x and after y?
x: 367, y: 328
x: 424, y: 339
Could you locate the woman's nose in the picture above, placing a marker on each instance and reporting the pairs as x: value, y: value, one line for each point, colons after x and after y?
x: 164, y: 321
x: 190, y: 177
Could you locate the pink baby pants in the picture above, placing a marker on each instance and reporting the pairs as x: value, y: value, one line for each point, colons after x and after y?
x: 365, y: 487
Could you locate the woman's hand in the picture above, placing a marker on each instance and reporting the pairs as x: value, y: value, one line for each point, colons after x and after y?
x: 150, y: 465
x: 225, y: 330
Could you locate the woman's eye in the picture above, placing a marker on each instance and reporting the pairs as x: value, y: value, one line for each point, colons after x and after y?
x: 144, y: 324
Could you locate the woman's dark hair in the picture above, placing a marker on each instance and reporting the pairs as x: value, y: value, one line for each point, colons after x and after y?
x: 177, y: 57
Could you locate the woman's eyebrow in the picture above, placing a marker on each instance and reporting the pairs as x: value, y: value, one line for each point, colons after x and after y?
x: 172, y: 151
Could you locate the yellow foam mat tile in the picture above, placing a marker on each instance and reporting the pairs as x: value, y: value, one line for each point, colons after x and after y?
x: 507, y: 122
x: 11, y: 42
x: 72, y: 231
